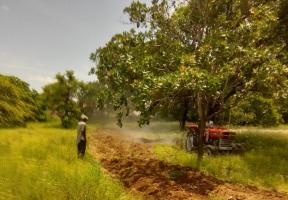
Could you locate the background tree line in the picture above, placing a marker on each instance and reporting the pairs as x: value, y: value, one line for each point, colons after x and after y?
x: 18, y: 103
x: 67, y: 98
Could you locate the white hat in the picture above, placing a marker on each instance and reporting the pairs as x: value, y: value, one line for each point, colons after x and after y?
x: 84, y: 117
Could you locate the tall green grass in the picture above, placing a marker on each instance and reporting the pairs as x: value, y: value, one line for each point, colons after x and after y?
x: 264, y: 164
x: 40, y: 162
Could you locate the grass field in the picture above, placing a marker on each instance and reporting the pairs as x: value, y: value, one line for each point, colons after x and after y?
x: 39, y: 162
x: 264, y: 164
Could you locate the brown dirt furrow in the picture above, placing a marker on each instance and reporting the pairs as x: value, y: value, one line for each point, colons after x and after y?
x: 137, y: 168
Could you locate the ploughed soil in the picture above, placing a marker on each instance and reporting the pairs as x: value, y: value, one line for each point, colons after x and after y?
x: 133, y: 163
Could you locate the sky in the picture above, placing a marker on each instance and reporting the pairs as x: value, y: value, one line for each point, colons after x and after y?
x: 39, y: 38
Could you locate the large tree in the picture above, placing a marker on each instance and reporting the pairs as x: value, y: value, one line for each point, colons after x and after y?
x: 207, y: 53
x: 61, y: 98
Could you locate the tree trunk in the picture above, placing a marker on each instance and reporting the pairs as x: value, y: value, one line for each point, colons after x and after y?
x: 283, y: 19
x: 184, y: 115
x: 245, y: 7
x: 202, y: 113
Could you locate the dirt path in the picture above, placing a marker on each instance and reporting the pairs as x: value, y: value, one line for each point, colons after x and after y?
x: 138, y: 169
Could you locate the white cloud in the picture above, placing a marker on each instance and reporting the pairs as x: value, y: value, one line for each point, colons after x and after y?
x: 5, y: 8
x: 41, y: 79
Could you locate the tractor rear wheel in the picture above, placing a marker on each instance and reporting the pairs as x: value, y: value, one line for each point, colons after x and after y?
x: 188, y: 144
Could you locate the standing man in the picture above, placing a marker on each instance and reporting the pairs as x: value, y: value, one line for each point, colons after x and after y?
x: 81, y: 136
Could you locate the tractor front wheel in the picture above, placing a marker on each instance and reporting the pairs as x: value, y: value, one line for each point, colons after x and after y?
x: 208, y: 151
x: 239, y: 148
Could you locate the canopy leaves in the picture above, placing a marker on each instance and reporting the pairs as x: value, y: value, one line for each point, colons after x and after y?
x: 18, y: 103
x: 216, y: 50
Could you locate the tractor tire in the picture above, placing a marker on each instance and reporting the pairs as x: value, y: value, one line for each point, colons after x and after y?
x: 208, y: 151
x: 188, y: 145
x: 238, y: 148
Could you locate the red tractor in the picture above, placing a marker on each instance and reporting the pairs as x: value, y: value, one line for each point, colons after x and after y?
x: 216, y: 139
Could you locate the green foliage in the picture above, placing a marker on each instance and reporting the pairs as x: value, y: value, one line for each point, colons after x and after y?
x: 281, y: 100
x: 209, y: 53
x: 41, y: 163
x: 256, y: 110
x: 68, y: 97
x: 61, y: 98
x: 18, y: 103
x: 93, y: 98
x: 41, y: 111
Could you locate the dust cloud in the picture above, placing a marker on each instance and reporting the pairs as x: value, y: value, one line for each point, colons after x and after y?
x: 157, y: 132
